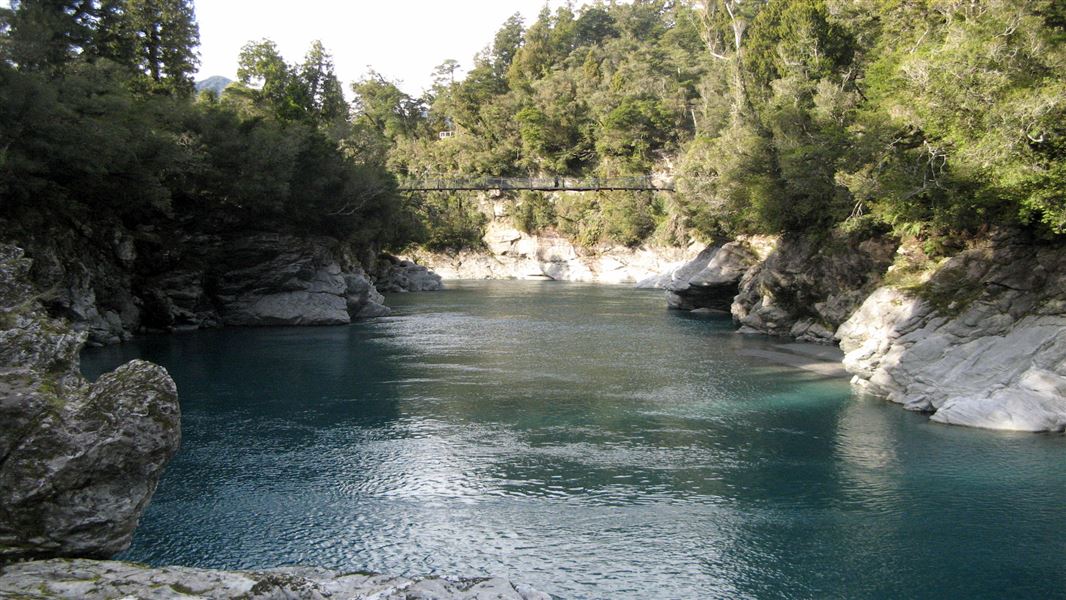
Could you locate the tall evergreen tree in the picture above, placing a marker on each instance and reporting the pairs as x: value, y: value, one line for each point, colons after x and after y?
x: 506, y: 44
x: 114, y: 38
x: 324, y: 99
x: 166, y: 39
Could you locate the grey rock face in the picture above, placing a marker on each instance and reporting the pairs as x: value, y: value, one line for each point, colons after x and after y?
x: 93, y: 580
x: 78, y: 461
x: 806, y: 288
x: 986, y: 347
x: 270, y: 279
x: 172, y: 280
x: 712, y: 279
x: 89, y: 282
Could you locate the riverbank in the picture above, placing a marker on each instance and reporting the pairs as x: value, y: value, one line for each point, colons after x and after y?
x: 978, y: 339
x: 113, y: 282
x: 513, y: 254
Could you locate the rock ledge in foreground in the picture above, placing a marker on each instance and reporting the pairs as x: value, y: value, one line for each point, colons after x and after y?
x: 100, y: 580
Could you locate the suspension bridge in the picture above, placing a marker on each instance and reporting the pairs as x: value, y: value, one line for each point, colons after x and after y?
x: 538, y: 184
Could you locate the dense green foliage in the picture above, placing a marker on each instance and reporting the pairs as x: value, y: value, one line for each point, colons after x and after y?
x: 921, y: 117
x: 98, y: 125
x: 925, y: 117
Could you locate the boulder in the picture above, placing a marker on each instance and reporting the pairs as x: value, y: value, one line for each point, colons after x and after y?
x: 78, y: 461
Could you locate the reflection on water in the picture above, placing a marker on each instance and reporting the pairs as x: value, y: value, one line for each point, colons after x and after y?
x: 587, y: 441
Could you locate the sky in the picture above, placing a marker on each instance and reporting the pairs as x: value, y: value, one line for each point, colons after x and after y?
x: 401, y: 39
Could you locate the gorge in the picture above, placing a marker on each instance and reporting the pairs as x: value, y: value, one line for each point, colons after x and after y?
x: 613, y: 391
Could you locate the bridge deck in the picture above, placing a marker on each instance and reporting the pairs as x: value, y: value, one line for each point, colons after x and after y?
x: 538, y: 184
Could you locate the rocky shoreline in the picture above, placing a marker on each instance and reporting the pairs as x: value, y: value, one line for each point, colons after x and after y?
x: 980, y: 340
x: 982, y: 344
x: 140, y: 282
x: 79, y: 461
x: 513, y: 254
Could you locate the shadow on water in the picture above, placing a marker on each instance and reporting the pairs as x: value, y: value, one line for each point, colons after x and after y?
x: 587, y: 441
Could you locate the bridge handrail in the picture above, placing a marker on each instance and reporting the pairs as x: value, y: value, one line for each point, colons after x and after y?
x: 532, y: 183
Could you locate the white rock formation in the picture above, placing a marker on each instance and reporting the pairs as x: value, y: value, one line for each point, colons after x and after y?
x: 712, y: 279
x: 512, y: 254
x: 991, y: 353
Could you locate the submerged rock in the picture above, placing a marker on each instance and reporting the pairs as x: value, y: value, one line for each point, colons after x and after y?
x: 982, y: 344
x: 94, y: 580
x: 78, y: 461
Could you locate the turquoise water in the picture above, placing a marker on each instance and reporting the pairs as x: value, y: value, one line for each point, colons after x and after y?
x: 587, y: 441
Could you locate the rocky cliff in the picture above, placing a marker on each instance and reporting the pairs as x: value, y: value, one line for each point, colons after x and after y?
x: 981, y: 343
x: 78, y: 461
x: 712, y: 279
x: 151, y: 279
x: 793, y: 286
x: 808, y: 286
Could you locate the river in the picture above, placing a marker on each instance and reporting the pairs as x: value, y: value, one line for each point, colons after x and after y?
x: 586, y: 441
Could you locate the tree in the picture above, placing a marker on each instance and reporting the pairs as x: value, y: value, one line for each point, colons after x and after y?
x: 44, y: 35
x: 634, y: 129
x: 593, y: 26
x: 382, y: 105
x: 115, y: 38
x: 444, y: 73
x: 324, y: 99
x: 166, y: 36
x: 269, y: 80
x: 506, y: 44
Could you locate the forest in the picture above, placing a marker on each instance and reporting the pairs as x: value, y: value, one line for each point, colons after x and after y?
x: 937, y: 119
x: 99, y: 122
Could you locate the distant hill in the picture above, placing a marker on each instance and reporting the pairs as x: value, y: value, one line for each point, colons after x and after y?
x: 215, y: 84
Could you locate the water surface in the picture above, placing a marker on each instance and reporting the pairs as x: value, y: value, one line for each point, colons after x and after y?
x: 587, y: 441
